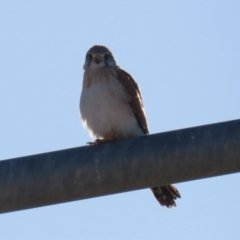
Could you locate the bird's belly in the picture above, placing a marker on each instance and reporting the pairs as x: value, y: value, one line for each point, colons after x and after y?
x: 104, y: 108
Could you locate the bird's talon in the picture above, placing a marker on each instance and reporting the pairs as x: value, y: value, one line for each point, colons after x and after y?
x: 91, y: 143
x: 97, y: 141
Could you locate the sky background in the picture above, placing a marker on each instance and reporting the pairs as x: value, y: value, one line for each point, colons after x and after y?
x: 185, y: 56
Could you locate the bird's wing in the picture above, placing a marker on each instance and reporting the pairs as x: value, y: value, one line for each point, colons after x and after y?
x: 135, y: 100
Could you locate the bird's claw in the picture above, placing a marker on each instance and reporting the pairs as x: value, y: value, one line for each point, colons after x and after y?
x: 97, y: 141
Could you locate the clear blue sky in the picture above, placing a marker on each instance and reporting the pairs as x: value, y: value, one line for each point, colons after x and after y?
x: 185, y: 56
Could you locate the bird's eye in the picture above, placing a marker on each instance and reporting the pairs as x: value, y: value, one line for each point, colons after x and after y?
x: 109, y: 60
x: 87, y: 60
x: 89, y: 57
x: 107, y: 56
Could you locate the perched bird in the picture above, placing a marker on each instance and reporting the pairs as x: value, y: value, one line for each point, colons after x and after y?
x: 111, y: 107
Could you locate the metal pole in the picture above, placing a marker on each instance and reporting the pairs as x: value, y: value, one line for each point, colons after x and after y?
x: 115, y: 167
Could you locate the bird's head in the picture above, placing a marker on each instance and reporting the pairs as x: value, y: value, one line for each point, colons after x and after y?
x: 99, y: 56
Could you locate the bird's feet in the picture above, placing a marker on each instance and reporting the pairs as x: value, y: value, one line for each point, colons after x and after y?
x: 109, y: 138
x: 97, y: 141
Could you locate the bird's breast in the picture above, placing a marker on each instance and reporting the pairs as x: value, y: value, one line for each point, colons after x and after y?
x: 104, y: 108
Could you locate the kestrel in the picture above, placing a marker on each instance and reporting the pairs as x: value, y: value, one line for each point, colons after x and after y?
x: 111, y: 107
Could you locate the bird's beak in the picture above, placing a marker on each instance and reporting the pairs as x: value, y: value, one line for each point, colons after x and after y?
x: 97, y: 58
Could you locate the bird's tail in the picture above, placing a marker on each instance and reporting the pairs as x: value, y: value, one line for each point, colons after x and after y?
x: 166, y: 195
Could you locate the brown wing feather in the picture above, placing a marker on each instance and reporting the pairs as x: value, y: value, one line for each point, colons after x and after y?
x: 166, y: 195
x: 135, y: 101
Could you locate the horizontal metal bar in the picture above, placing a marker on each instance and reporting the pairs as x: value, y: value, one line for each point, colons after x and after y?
x: 115, y: 167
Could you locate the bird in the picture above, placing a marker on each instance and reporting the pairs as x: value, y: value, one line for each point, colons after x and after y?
x: 111, y: 107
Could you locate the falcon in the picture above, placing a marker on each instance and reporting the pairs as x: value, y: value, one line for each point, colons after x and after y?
x: 111, y: 107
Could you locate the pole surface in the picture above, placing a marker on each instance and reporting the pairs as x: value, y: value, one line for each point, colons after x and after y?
x: 130, y: 164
